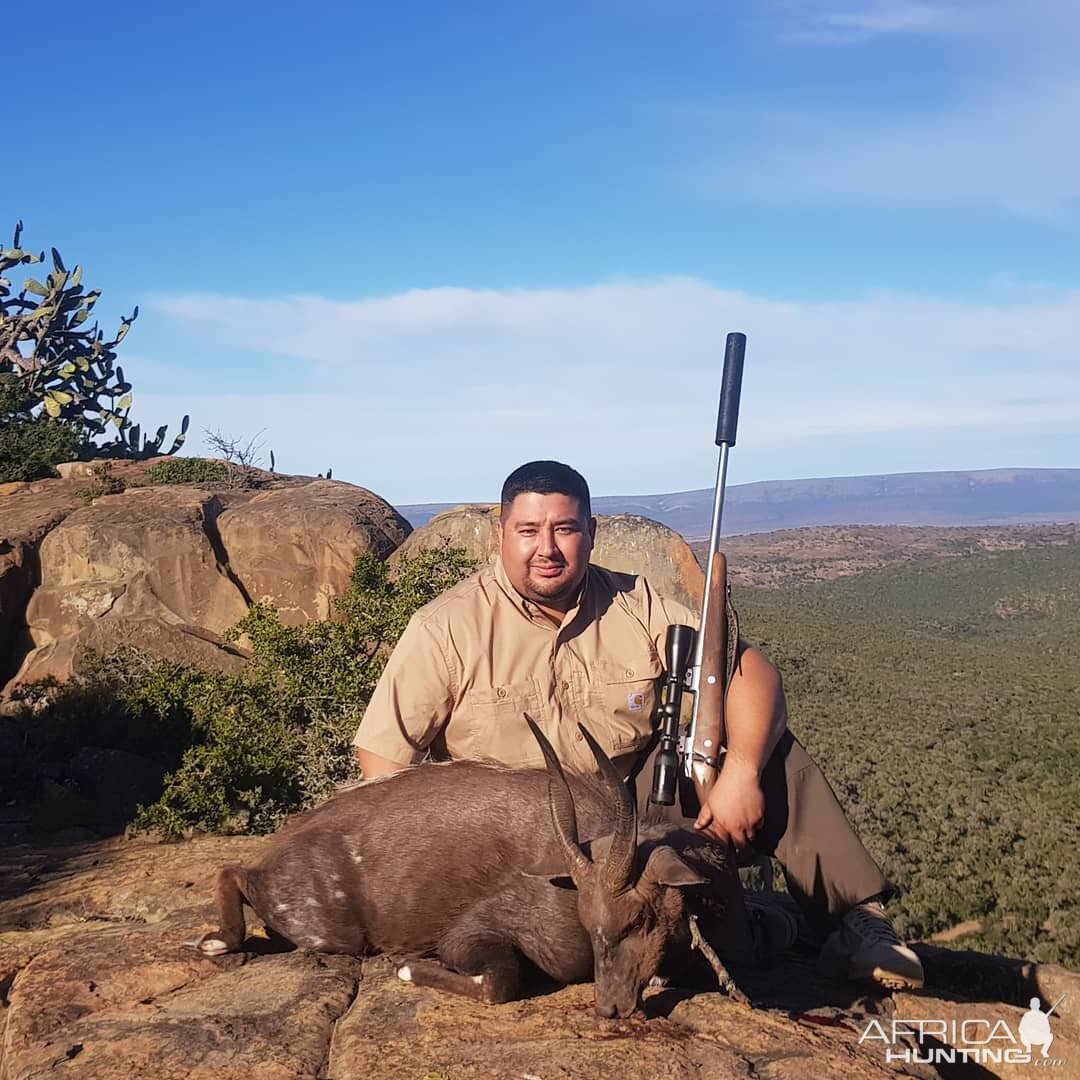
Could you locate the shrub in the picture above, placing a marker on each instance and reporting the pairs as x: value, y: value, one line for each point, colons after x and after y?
x: 31, y: 447
x: 245, y: 749
x: 188, y: 471
x: 277, y: 738
x: 124, y: 701
x: 103, y: 483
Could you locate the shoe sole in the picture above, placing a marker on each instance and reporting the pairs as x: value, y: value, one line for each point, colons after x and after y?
x: 891, y: 980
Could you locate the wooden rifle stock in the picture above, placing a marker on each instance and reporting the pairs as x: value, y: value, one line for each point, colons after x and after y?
x: 708, y: 731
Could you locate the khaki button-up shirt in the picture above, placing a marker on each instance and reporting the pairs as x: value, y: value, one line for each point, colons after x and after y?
x: 472, y: 662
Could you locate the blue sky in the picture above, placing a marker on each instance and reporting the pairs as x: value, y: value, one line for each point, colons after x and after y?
x: 421, y: 243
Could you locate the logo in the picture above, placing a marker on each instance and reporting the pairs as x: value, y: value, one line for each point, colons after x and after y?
x: 635, y: 702
x: 980, y: 1042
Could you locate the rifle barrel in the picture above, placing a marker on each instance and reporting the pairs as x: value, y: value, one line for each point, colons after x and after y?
x: 727, y: 422
x: 714, y: 543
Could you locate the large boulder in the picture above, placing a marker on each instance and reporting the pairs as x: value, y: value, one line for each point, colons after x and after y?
x: 169, y: 569
x: 143, y: 567
x: 624, y: 542
x: 638, y: 545
x: 27, y: 514
x: 295, y: 547
x: 469, y: 527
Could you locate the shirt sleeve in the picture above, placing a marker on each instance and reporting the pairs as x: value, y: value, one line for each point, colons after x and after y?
x: 663, y: 612
x: 411, y: 701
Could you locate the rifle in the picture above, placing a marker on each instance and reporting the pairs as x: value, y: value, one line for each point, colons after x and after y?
x: 705, y: 674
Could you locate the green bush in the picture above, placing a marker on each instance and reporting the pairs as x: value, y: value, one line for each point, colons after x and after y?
x: 31, y: 447
x: 246, y: 749
x: 188, y: 471
x: 124, y: 701
x: 103, y: 483
x: 277, y: 737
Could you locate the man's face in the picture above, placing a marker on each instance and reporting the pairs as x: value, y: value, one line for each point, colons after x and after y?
x: 545, y: 542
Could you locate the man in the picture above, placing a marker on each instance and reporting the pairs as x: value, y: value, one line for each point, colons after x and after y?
x: 542, y: 632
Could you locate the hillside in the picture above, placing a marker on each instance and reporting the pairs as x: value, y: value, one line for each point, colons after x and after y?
x: 795, y: 556
x: 981, y: 497
x: 943, y: 699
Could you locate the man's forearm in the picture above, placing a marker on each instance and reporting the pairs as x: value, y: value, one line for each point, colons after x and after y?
x: 371, y: 765
x: 755, y: 712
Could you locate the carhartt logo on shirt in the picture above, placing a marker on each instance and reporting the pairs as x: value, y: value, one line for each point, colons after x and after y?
x: 635, y: 702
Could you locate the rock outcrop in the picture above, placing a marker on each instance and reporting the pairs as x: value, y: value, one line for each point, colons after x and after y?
x: 95, y: 981
x: 295, y: 547
x: 624, y: 542
x: 637, y: 545
x: 170, y: 568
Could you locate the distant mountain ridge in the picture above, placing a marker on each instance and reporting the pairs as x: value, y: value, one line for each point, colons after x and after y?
x: 977, y: 497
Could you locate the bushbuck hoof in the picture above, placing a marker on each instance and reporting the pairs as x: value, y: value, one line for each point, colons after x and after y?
x: 212, y: 944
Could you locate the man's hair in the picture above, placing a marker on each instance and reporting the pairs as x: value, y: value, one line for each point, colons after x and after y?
x: 546, y: 478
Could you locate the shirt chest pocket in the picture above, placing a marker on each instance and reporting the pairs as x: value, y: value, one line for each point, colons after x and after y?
x: 623, y: 698
x: 490, y: 723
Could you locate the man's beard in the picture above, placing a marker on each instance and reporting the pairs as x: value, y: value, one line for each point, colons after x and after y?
x: 548, y: 589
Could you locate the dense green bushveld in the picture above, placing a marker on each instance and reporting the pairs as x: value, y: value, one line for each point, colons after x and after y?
x: 244, y: 749
x: 943, y: 701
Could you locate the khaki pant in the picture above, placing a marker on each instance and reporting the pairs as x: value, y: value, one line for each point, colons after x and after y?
x: 827, y: 869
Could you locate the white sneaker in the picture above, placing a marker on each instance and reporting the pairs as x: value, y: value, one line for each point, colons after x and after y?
x: 865, y: 948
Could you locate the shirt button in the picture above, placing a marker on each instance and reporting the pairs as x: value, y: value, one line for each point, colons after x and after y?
x: 579, y: 736
x: 566, y: 685
x: 629, y: 671
x: 501, y: 692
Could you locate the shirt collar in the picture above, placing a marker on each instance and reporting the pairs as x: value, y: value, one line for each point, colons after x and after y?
x: 528, y: 608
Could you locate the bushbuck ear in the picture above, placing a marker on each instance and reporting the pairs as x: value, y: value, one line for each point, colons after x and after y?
x: 553, y: 865
x: 551, y: 868
x: 665, y: 867
x: 560, y: 881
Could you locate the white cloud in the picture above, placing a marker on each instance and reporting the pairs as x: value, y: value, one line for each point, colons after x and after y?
x: 970, y: 104
x: 1010, y: 148
x: 1030, y: 32
x: 861, y: 22
x: 437, y: 393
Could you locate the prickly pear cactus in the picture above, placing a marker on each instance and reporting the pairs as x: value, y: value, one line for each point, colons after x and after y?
x: 64, y: 367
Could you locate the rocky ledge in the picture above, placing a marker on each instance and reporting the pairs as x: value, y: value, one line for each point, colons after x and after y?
x: 95, y: 981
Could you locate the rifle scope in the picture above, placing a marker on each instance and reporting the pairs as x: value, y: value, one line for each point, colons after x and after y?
x: 679, y: 647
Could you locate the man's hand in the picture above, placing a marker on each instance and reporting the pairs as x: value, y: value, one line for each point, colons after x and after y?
x: 735, y: 808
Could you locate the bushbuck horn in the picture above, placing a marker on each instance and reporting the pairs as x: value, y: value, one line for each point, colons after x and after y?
x: 563, y: 815
x: 619, y: 864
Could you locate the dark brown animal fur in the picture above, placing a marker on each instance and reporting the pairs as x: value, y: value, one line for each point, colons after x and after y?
x: 460, y: 862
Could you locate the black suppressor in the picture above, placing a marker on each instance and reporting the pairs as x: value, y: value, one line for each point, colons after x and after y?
x: 680, y: 648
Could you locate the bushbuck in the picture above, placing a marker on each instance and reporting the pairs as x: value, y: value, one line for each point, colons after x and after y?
x: 468, y: 872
